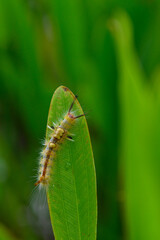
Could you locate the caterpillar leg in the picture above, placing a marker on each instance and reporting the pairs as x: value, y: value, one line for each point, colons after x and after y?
x: 70, y: 138
x: 51, y: 127
x: 71, y: 134
x: 54, y: 124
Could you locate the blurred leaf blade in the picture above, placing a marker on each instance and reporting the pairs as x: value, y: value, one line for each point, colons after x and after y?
x: 25, y: 45
x: 139, y: 116
x: 72, y: 26
x: 72, y: 190
x: 5, y: 233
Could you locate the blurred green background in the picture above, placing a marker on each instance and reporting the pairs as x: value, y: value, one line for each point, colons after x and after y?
x: 107, y: 52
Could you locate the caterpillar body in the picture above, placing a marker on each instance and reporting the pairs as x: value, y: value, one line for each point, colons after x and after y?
x: 58, y: 135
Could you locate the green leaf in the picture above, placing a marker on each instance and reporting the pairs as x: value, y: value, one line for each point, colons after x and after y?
x: 140, y: 136
x: 72, y: 190
x: 5, y: 233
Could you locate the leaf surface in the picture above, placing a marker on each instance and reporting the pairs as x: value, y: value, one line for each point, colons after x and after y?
x: 72, y: 189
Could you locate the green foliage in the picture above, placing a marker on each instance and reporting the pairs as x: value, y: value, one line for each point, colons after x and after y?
x: 5, y: 234
x: 112, y: 61
x: 140, y: 135
x: 72, y: 190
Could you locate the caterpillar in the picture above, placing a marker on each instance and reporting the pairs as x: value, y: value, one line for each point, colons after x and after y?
x: 58, y: 135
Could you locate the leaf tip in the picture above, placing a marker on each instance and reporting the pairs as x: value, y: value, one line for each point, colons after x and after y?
x: 65, y: 88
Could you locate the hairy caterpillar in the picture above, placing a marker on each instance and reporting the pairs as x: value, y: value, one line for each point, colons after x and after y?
x: 58, y: 135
